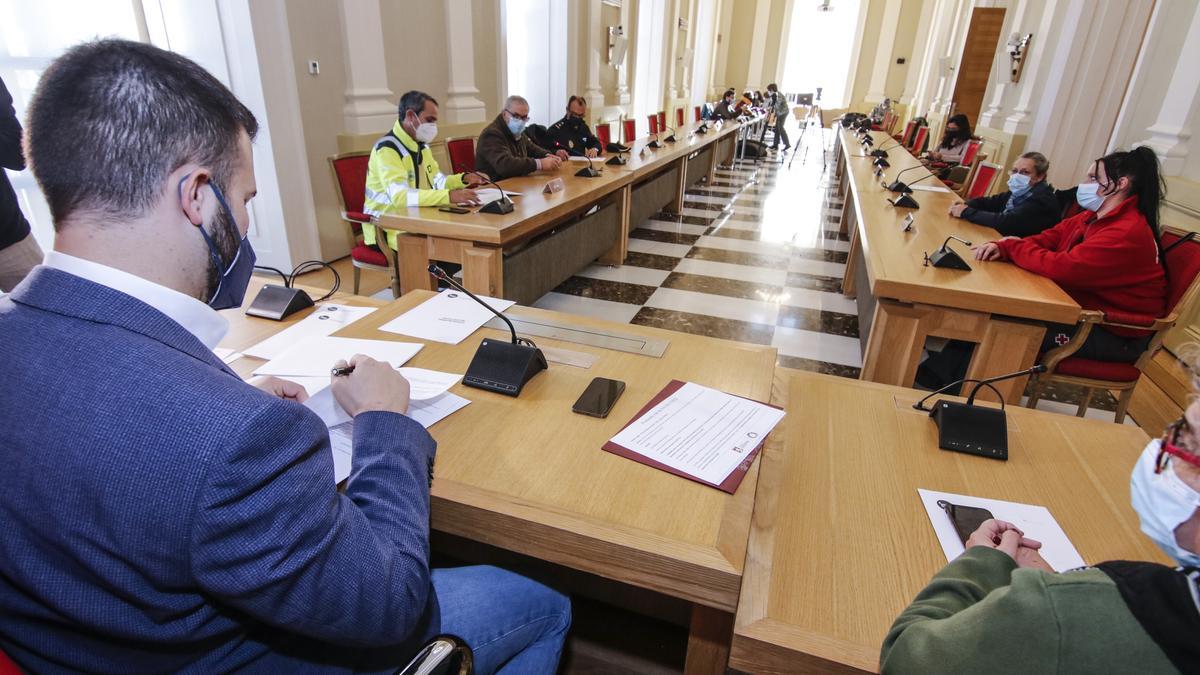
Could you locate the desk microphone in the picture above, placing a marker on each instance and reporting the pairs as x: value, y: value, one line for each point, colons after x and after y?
x: 617, y: 159
x: 502, y: 367
x: 906, y: 199
x: 587, y: 171
x: 670, y: 138
x: 972, y: 429
x: 899, y: 185
x: 499, y: 206
x: 882, y: 163
x: 946, y: 257
x: 883, y: 152
x: 702, y: 129
x: 654, y: 143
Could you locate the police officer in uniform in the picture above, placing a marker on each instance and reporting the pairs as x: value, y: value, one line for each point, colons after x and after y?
x: 572, y: 133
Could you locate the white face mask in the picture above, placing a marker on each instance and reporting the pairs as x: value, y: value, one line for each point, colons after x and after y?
x: 426, y: 132
x: 1163, y: 502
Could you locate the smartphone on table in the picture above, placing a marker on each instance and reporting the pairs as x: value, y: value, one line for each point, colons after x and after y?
x: 599, y: 397
x: 966, y: 519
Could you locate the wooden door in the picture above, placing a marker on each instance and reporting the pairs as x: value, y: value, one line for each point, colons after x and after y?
x: 979, y: 53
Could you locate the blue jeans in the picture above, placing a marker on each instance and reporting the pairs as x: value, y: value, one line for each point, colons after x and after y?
x: 512, y: 624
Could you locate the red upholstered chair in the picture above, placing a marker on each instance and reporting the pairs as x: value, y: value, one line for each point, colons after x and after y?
x: 662, y: 120
x: 7, y: 667
x: 678, y: 117
x: 919, y: 140
x: 604, y: 134
x: 1182, y: 254
x: 696, y: 113
x: 462, y: 153
x: 981, y: 182
x: 629, y: 127
x: 350, y: 181
x: 653, y: 119
x: 969, y: 153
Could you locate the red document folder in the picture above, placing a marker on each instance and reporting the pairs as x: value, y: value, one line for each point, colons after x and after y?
x: 732, y: 481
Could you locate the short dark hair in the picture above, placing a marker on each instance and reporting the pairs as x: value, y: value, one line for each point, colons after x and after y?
x: 415, y: 101
x: 727, y: 94
x: 111, y: 119
x: 582, y: 101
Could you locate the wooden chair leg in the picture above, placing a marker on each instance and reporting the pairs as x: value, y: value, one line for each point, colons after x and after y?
x: 1123, y: 405
x: 1083, y: 405
x: 357, y: 277
x: 1035, y: 392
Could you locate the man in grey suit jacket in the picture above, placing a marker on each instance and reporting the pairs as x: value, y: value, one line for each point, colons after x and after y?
x: 159, y: 513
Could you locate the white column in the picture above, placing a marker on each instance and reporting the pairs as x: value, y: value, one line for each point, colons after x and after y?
x: 596, y: 39
x: 462, y: 104
x: 1172, y: 129
x: 762, y: 19
x: 1001, y: 84
x: 956, y: 39
x: 623, y: 97
x: 1038, y: 66
x: 931, y: 69
x: 916, y: 60
x: 671, y: 54
x: 883, y: 51
x: 370, y: 103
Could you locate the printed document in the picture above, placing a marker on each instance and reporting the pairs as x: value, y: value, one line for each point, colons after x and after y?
x: 327, y: 319
x: 448, y: 317
x: 315, y: 356
x: 700, y: 431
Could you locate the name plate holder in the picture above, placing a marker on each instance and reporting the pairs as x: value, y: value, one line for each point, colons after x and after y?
x: 554, y: 185
x: 908, y: 223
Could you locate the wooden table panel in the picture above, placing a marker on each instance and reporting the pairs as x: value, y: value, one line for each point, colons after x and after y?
x: 840, y: 542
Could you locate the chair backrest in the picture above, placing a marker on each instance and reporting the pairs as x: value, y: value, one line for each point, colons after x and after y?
x: 1183, y: 265
x: 984, y: 175
x: 1067, y: 205
x: 653, y: 119
x: 662, y: 120
x: 973, y: 147
x: 350, y: 179
x: 629, y: 128
x: 919, y: 139
x: 678, y: 117
x: 604, y: 133
x: 696, y: 113
x: 908, y: 132
x: 889, y: 118
x: 7, y: 667
x: 462, y: 153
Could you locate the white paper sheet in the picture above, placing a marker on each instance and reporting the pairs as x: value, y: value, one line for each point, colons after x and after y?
x: 449, y: 317
x: 423, y: 384
x: 485, y: 195
x: 930, y: 188
x: 341, y: 425
x: 1035, y: 521
x: 576, y: 158
x: 315, y: 356
x: 327, y: 319
x: 700, y: 431
x: 227, y: 355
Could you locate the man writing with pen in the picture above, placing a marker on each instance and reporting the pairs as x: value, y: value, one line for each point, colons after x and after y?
x: 402, y: 171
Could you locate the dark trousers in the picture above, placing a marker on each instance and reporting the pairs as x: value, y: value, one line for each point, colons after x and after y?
x: 951, y: 363
x: 781, y: 133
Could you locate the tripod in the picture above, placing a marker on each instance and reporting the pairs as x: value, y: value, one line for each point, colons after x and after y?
x: 812, y: 118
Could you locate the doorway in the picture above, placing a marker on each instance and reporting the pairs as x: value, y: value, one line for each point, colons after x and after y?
x: 975, y: 68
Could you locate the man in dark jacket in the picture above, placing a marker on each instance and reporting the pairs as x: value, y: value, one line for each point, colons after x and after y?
x: 572, y: 133
x: 504, y: 151
x: 19, y: 251
x: 1026, y: 208
x: 725, y: 110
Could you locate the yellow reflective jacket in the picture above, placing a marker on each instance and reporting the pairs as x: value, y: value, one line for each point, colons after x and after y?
x: 394, y: 184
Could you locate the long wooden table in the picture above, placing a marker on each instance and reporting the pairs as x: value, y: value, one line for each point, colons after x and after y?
x: 902, y: 302
x: 479, y: 241
x: 528, y: 475
x: 841, y: 543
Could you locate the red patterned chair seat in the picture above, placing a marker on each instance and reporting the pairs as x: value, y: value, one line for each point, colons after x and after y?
x: 1108, y: 371
x: 369, y: 255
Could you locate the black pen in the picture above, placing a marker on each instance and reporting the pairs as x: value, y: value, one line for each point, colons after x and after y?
x: 341, y: 371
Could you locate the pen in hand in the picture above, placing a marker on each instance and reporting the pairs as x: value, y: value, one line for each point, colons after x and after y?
x: 341, y: 371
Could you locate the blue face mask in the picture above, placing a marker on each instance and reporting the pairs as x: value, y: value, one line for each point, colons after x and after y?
x: 1018, y: 184
x: 1163, y: 502
x: 515, y: 126
x: 1088, y: 196
x: 231, y: 287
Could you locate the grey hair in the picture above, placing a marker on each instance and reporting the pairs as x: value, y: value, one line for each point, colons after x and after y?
x: 520, y: 100
x: 111, y: 119
x: 1040, y: 164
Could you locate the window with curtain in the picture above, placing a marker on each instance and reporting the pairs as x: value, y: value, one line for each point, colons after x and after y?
x: 820, y: 46
x: 648, y: 69
x: 535, y: 34
x: 705, y: 25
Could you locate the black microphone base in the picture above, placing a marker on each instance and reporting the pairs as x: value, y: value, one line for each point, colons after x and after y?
x: 653, y: 144
x: 617, y: 161
x: 898, y: 186
x: 588, y: 172
x: 669, y: 139
x: 498, y: 207
x: 906, y: 202
x: 882, y: 163
x: 503, y: 367
x: 947, y: 258
x: 278, y: 302
x: 879, y: 153
x: 971, y: 429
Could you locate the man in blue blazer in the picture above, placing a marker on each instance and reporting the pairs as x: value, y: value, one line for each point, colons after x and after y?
x: 159, y: 514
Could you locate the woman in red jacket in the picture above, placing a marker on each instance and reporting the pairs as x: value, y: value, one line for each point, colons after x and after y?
x: 1107, y: 257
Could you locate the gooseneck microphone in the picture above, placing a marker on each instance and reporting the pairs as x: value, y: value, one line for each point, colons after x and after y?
x: 972, y: 429
x: 899, y: 185
x: 883, y: 152
x: 654, y: 143
x: 502, y: 367
x: 587, y: 171
x: 499, y: 206
x: 671, y: 137
x: 945, y: 257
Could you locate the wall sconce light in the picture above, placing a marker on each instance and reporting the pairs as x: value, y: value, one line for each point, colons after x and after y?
x: 616, y: 46
x: 1018, y: 51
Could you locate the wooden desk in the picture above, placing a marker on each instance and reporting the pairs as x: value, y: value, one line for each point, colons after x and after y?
x: 478, y: 240
x: 528, y: 475
x: 999, y: 306
x: 841, y: 543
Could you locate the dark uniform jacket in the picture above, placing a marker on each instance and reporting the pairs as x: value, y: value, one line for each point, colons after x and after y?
x: 500, y: 155
x: 725, y: 111
x: 1038, y: 211
x: 573, y: 135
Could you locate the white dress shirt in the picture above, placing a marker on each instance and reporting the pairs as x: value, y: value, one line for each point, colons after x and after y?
x: 198, y: 318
